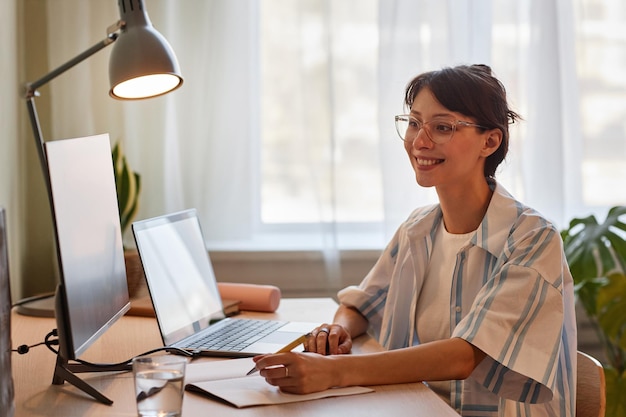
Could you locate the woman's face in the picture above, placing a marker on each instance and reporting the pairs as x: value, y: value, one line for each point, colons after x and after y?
x: 455, y: 163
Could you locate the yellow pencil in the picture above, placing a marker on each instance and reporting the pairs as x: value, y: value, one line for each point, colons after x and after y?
x: 287, y: 348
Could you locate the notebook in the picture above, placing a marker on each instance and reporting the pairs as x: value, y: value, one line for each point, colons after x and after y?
x: 185, y: 296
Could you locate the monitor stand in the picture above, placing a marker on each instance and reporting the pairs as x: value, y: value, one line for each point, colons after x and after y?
x: 65, y: 371
x: 44, y: 306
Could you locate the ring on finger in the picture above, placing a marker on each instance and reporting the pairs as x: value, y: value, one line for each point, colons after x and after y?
x: 324, y: 330
x: 286, y: 372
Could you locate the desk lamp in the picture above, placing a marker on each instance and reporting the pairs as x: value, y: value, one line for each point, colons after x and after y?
x: 142, y: 65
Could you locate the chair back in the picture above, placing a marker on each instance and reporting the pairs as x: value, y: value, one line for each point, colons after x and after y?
x: 590, y: 387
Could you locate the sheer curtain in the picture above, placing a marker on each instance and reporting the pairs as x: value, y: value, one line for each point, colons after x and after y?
x: 529, y: 45
x: 331, y: 166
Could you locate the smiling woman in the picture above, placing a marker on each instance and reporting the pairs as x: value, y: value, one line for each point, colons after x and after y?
x: 472, y: 295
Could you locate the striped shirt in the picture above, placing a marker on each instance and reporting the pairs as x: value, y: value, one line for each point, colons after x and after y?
x: 511, y: 296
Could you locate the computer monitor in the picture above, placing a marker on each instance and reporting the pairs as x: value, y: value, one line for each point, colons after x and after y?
x: 92, y: 293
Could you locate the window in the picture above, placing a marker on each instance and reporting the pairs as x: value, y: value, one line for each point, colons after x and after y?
x: 324, y: 117
x: 601, y: 64
x: 319, y: 132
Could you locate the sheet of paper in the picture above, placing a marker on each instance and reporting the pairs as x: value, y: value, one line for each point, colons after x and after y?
x: 218, y: 369
x: 227, y: 381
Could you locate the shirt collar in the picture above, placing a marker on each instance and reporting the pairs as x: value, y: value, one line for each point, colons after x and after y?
x: 494, y: 229
x: 501, y: 214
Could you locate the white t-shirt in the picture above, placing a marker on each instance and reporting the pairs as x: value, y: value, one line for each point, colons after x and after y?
x: 433, y: 307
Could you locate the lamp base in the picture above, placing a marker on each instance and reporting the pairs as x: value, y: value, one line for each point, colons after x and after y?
x: 37, y: 306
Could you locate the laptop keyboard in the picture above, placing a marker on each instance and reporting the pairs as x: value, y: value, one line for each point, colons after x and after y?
x: 236, y: 335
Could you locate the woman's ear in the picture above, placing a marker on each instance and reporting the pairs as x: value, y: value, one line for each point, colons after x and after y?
x: 492, y: 142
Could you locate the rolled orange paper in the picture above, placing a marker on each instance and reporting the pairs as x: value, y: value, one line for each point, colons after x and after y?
x: 253, y: 297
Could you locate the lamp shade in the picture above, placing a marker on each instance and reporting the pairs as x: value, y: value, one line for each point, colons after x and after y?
x: 142, y: 63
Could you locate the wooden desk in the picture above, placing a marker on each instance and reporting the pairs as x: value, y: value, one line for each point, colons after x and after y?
x: 130, y: 336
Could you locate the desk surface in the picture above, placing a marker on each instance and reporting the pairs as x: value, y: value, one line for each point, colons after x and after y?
x: 130, y: 336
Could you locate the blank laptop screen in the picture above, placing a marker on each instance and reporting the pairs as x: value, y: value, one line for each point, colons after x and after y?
x: 181, y: 279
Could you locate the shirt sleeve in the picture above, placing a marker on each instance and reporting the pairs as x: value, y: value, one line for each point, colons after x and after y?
x: 517, y: 319
x: 370, y: 296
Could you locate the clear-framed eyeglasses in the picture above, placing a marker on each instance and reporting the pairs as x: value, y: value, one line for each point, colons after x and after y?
x: 438, y: 130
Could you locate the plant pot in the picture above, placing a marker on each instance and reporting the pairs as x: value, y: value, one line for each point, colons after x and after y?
x: 137, y: 287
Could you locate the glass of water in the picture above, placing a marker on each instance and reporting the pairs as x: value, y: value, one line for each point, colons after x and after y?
x: 159, y: 385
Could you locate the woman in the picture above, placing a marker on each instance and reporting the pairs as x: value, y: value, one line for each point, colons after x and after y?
x: 472, y: 295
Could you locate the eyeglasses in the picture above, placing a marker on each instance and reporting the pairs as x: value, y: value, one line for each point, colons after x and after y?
x: 438, y: 130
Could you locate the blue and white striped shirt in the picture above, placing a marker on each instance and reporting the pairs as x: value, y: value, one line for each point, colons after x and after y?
x: 511, y: 296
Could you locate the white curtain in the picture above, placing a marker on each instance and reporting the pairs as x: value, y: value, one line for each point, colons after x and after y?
x: 202, y: 146
x: 530, y: 47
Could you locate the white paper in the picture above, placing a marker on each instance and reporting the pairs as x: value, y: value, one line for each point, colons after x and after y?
x: 227, y: 380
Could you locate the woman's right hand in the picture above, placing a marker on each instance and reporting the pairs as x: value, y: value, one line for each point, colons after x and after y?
x: 329, y: 339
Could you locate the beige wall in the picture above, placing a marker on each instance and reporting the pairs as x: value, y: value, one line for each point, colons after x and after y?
x: 9, y: 193
x: 22, y: 193
x: 296, y: 273
x: 37, y: 255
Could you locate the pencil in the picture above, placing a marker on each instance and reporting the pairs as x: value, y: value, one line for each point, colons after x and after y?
x: 287, y: 348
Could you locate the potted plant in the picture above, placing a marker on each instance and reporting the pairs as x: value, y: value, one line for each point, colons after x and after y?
x: 596, y: 254
x: 128, y: 185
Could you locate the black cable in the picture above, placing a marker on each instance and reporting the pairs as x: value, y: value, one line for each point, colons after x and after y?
x: 129, y: 361
x: 49, y: 343
x: 23, y: 349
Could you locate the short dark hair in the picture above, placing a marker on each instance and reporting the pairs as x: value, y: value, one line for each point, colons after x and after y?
x: 473, y: 91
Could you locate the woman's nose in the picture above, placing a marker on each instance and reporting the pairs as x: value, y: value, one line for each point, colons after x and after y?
x: 422, y: 139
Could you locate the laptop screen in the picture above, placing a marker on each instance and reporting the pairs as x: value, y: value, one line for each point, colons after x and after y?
x: 179, y: 273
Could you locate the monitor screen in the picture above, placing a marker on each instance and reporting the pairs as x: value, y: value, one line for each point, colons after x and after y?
x: 93, y: 292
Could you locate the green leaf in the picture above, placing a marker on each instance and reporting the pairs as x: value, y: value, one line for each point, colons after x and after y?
x: 128, y: 185
x: 594, y: 249
x: 596, y: 255
x: 587, y: 292
x: 615, y: 389
x: 611, y: 308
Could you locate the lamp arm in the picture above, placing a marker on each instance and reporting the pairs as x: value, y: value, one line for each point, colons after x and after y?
x: 31, y: 93
x: 34, y: 123
x: 31, y: 88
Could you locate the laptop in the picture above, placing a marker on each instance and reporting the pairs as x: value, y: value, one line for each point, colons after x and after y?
x: 186, y: 299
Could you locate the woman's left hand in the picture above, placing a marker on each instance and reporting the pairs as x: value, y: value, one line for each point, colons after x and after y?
x: 298, y: 373
x: 329, y: 339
